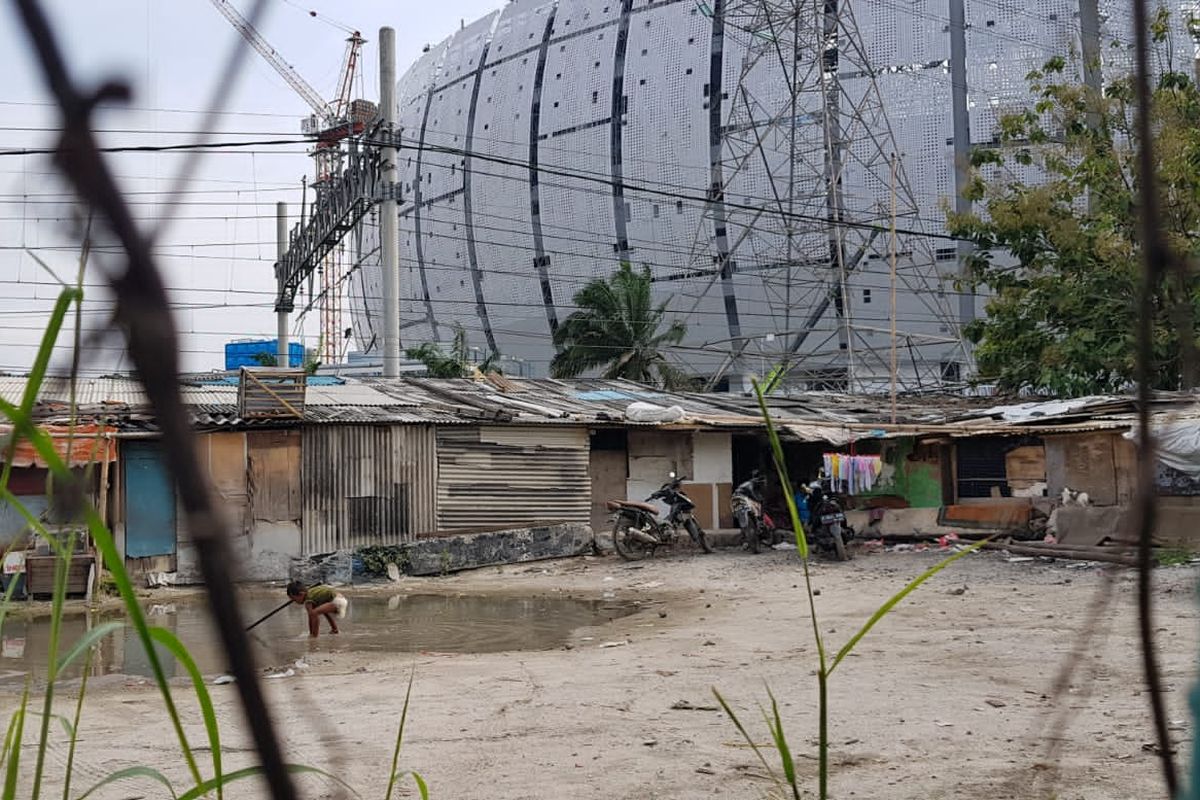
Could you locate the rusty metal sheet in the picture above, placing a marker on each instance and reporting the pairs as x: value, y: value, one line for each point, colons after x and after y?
x: 998, y: 516
x: 78, y: 446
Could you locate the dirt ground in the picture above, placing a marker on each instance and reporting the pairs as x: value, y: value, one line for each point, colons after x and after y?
x: 950, y: 697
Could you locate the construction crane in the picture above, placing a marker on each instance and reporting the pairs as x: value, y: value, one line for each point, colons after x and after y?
x: 329, y: 125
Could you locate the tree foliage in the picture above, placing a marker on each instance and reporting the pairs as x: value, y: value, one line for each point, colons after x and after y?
x: 454, y: 364
x: 1058, y: 246
x: 619, y: 331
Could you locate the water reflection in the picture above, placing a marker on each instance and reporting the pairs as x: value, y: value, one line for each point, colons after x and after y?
x: 375, y: 623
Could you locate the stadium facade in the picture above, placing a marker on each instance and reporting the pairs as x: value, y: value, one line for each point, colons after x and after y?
x: 741, y: 150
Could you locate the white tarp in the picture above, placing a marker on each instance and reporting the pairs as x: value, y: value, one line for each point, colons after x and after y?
x: 649, y: 412
x: 1178, y: 444
x: 835, y: 435
x: 1024, y: 412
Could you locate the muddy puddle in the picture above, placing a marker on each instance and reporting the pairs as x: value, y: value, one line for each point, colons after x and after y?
x: 374, y: 623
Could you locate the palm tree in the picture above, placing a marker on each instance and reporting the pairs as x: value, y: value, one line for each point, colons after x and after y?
x: 618, y: 330
x: 439, y: 364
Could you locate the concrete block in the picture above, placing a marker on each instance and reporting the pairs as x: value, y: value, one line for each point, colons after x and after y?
x: 272, y: 546
x: 1091, y: 525
x: 899, y: 521
x: 471, y: 551
x: 334, y: 568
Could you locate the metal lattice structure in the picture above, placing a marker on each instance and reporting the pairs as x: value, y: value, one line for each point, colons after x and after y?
x: 807, y: 143
x: 740, y: 150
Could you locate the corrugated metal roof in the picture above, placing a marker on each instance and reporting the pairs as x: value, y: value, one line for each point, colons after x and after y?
x: 88, y: 391
x: 352, y: 394
x: 547, y: 401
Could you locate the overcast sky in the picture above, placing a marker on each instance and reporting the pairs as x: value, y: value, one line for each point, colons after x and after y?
x: 217, y: 255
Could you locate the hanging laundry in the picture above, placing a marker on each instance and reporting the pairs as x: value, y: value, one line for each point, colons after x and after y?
x: 851, y: 474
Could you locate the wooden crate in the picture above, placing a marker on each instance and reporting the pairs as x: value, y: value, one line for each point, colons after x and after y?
x: 39, y: 575
x: 270, y: 393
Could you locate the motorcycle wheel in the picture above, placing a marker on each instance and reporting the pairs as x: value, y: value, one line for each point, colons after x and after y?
x: 629, y: 547
x: 839, y: 544
x: 750, y: 537
x: 697, y: 534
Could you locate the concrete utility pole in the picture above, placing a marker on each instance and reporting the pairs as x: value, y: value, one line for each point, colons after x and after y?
x: 389, y: 234
x: 962, y: 143
x: 1089, y: 43
x: 281, y: 344
x: 1089, y: 46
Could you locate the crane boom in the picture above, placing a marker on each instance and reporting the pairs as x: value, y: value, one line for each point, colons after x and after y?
x: 285, y: 70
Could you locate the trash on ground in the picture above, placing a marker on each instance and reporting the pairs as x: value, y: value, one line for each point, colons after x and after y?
x: 221, y: 680
x: 155, y: 580
x: 686, y: 705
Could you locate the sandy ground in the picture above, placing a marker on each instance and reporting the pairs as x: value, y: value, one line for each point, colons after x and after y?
x: 950, y: 697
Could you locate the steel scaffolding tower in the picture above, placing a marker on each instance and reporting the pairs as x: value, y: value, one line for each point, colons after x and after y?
x: 821, y: 141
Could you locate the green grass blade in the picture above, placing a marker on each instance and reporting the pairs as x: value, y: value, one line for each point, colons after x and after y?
x: 37, y: 373
x: 86, y: 642
x: 107, y: 547
x: 66, y: 723
x: 781, y: 745
x: 170, y: 641
x: 421, y: 785
x: 789, y: 493
x: 13, y: 746
x: 6, y: 602
x: 400, y: 734
x: 895, y: 599
x: 249, y: 772
x: 61, y: 564
x: 750, y: 741
x: 8, y: 737
x: 116, y: 567
x: 73, y: 728
x: 8, y: 734
x: 126, y: 774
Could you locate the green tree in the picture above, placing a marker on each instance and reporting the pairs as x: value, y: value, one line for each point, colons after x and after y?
x: 1058, y: 246
x: 312, y: 361
x: 619, y: 331
x: 455, y: 364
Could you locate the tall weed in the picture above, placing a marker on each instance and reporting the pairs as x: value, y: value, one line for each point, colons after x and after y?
x: 62, y: 655
x: 825, y: 664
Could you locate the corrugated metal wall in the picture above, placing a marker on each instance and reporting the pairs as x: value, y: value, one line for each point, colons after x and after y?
x: 494, y: 477
x: 367, y: 484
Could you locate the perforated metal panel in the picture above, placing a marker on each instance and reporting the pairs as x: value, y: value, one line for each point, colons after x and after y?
x: 578, y: 105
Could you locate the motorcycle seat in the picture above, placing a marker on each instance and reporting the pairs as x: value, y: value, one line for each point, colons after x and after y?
x: 617, y: 505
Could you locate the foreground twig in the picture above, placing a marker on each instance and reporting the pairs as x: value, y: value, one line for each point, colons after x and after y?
x: 1155, y: 257
x: 142, y: 310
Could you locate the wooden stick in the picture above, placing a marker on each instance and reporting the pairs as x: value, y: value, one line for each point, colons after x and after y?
x: 268, y: 616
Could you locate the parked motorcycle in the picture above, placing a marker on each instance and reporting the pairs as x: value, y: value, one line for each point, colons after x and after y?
x: 747, y: 506
x: 637, y: 530
x: 827, y: 528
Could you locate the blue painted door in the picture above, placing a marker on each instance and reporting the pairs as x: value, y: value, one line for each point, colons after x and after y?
x: 149, y: 501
